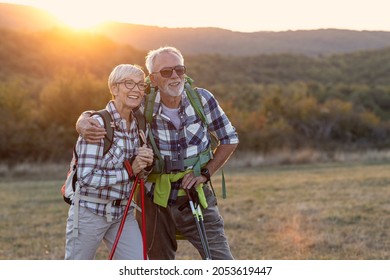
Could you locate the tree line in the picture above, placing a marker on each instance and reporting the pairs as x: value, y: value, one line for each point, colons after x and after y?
x: 275, y: 101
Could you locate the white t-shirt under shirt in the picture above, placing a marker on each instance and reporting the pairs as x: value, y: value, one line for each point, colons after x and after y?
x: 172, y: 114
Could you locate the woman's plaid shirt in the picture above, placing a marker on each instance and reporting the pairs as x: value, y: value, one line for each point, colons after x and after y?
x: 105, y: 176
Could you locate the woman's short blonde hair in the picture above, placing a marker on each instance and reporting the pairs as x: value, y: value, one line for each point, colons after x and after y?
x: 122, y: 71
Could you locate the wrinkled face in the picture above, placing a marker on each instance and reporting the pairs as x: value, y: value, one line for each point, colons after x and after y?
x: 173, y: 85
x: 130, y: 91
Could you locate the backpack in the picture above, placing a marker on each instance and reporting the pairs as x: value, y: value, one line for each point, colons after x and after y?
x: 69, y: 187
x: 195, y: 100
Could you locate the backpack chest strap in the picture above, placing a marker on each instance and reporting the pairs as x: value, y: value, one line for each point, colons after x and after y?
x: 199, y: 161
x: 196, y: 163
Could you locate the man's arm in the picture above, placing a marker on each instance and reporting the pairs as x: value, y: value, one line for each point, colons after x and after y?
x: 89, y: 128
x: 221, y: 156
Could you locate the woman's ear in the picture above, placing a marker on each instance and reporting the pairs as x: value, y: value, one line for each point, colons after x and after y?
x: 115, y: 89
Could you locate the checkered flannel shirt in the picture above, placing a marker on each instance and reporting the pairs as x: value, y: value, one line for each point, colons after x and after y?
x: 192, y: 138
x: 105, y: 176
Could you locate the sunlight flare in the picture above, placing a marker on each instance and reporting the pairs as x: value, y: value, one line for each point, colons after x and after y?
x: 82, y: 15
x: 79, y: 22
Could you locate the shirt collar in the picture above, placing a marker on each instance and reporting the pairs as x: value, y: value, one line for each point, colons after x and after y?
x: 116, y: 118
x: 184, y: 103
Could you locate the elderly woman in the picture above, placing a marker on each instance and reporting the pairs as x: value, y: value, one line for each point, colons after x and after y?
x: 103, y: 184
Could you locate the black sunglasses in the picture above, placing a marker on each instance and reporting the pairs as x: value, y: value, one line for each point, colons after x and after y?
x: 168, y: 71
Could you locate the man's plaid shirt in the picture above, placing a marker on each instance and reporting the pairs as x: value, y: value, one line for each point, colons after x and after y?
x: 192, y: 137
x: 105, y: 176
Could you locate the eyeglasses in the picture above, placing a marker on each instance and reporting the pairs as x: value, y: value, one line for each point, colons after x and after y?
x: 168, y: 71
x: 130, y: 84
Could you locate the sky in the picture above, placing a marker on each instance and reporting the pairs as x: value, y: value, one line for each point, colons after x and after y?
x: 242, y: 15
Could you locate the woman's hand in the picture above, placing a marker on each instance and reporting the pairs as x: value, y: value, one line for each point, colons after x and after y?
x: 143, y: 159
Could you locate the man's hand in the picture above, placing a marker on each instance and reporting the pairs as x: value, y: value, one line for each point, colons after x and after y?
x: 90, y: 129
x: 189, y: 180
x: 221, y: 155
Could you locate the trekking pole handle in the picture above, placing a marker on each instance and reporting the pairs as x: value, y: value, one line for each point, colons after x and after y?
x: 193, y: 209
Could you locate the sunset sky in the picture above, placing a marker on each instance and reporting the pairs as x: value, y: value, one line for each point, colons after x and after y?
x: 243, y: 15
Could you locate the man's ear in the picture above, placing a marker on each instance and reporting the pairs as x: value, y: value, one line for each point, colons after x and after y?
x: 153, y: 80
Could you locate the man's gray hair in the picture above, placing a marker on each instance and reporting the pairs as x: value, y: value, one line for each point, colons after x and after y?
x: 151, y: 56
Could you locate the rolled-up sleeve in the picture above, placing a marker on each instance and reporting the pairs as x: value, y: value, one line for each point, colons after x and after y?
x: 217, y: 119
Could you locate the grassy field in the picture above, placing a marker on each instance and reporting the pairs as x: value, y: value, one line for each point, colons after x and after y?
x: 295, y: 212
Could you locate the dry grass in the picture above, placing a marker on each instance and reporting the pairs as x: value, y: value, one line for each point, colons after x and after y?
x: 306, y: 156
x: 324, y: 211
x: 44, y: 171
x: 329, y: 211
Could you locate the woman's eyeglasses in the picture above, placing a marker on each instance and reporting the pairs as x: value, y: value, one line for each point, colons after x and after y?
x: 167, y: 72
x: 130, y: 84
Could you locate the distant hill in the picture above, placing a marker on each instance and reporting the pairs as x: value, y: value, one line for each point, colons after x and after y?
x: 26, y: 18
x: 211, y: 40
x: 221, y: 41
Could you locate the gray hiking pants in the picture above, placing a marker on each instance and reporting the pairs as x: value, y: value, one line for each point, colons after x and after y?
x: 93, y: 229
x: 162, y: 224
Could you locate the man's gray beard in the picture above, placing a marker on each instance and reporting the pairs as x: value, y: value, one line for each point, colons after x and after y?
x: 176, y: 93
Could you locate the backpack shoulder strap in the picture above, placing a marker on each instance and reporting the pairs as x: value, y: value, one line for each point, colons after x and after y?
x: 150, y: 98
x: 108, y: 138
x: 196, y: 102
x: 141, y: 122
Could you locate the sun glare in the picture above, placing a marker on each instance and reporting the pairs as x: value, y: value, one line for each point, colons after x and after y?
x: 79, y: 16
x: 77, y: 22
x: 82, y: 14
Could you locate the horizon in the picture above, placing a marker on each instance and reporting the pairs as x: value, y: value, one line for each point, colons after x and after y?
x: 276, y: 16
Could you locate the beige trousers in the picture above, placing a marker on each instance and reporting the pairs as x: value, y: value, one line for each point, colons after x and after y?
x: 93, y: 229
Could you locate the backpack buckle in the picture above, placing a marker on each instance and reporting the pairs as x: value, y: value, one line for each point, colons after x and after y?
x: 173, y: 165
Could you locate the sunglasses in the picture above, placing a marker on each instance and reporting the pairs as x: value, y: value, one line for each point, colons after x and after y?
x: 168, y: 71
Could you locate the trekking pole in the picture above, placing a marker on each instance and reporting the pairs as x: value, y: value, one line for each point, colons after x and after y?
x: 142, y: 190
x: 201, y: 230
x: 118, y: 235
